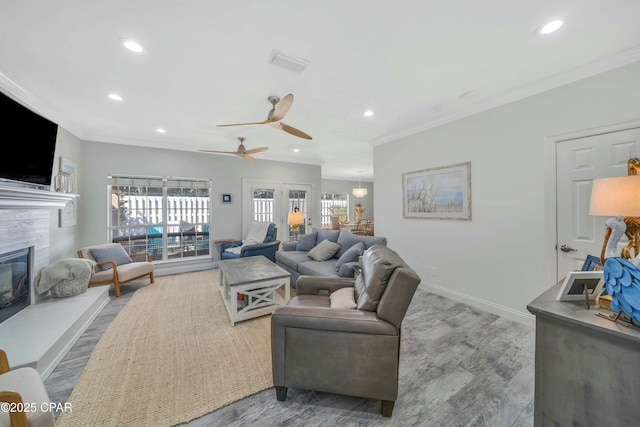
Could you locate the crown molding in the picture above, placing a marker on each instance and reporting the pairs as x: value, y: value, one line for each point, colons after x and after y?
x: 561, y: 79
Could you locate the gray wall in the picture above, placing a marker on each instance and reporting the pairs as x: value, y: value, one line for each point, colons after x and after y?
x: 64, y: 242
x: 344, y: 186
x: 505, y: 256
x: 96, y: 160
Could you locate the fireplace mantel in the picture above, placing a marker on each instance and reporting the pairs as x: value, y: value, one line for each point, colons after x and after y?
x: 19, y: 198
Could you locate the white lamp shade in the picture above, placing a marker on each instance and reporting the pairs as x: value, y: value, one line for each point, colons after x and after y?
x: 295, y: 218
x: 359, y: 192
x: 617, y: 196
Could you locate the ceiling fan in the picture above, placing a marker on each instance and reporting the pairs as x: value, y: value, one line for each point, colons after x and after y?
x: 241, y: 151
x: 279, y: 109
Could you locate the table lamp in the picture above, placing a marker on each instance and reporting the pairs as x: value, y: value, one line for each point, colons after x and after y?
x: 618, y: 196
x: 295, y: 219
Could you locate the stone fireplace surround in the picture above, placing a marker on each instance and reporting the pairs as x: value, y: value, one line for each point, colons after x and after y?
x: 41, y: 334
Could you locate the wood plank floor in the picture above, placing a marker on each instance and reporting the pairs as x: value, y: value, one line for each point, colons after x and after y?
x: 459, y: 367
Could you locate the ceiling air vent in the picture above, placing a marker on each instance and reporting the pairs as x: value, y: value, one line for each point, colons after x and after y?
x: 288, y: 62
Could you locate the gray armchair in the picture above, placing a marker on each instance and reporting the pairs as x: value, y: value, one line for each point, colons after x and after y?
x: 351, y: 351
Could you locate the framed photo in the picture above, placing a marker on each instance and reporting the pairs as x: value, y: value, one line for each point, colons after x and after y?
x: 226, y: 198
x: 592, y: 263
x: 438, y: 193
x: 69, y: 214
x: 573, y: 286
x: 67, y: 166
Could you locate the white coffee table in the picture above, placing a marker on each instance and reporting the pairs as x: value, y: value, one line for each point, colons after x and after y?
x: 261, y: 283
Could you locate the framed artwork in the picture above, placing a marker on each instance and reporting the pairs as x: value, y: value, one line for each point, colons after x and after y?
x: 226, y: 198
x: 69, y: 214
x: 67, y: 166
x: 438, y: 193
x: 574, y: 286
x: 591, y: 263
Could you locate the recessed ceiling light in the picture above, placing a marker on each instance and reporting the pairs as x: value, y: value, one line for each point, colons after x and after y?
x: 115, y: 97
x: 134, y: 46
x: 550, y: 27
x: 368, y: 113
x: 296, y: 150
x: 160, y: 130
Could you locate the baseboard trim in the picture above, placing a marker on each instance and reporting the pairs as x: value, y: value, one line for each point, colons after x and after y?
x: 499, y: 310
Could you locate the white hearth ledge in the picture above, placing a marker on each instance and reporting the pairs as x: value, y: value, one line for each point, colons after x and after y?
x: 41, y: 335
x: 19, y: 198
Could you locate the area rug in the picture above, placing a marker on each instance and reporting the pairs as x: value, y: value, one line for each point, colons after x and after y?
x: 171, y: 356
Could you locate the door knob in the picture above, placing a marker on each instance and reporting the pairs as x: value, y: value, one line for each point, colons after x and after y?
x: 566, y: 248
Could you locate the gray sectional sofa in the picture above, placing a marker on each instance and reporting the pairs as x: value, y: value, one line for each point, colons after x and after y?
x: 294, y: 256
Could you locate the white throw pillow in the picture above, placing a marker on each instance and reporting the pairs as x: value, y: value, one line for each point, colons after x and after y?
x: 323, y: 250
x: 343, y: 298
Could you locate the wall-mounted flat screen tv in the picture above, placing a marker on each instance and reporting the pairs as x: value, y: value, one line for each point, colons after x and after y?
x: 31, y: 140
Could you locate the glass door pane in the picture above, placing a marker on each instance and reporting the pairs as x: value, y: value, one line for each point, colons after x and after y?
x: 298, y: 200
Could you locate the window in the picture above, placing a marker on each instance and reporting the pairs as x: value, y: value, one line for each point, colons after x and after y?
x: 263, y: 204
x: 167, y: 217
x: 334, y: 205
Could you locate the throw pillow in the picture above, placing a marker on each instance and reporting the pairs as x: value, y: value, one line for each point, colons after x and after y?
x: 343, y: 298
x: 323, y: 250
x: 350, y: 255
x: 114, y: 253
x: 306, y: 242
x: 346, y: 269
x: 331, y: 235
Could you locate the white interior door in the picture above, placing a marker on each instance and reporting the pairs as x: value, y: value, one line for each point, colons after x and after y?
x: 269, y: 201
x: 578, y: 163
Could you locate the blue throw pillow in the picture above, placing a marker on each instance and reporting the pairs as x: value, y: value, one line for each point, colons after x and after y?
x: 330, y: 235
x: 306, y: 242
x: 114, y: 253
x: 352, y: 254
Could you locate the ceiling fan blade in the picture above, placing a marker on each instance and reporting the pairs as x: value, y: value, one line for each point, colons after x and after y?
x: 256, y: 150
x: 246, y: 124
x: 282, y: 108
x: 294, y: 131
x: 248, y: 157
x: 218, y: 152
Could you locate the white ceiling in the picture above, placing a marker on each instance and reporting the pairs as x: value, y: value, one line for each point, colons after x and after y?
x: 208, y: 64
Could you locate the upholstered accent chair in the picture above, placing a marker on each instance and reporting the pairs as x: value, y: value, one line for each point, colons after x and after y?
x: 261, y: 239
x: 115, y: 265
x: 24, y: 390
x: 342, y: 335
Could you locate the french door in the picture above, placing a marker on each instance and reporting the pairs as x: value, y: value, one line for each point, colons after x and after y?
x: 271, y: 201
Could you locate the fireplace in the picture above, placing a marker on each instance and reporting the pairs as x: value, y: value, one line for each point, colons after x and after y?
x: 38, y: 329
x: 15, y: 279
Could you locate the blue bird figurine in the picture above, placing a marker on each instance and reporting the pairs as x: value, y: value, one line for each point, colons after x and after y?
x: 621, y: 276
